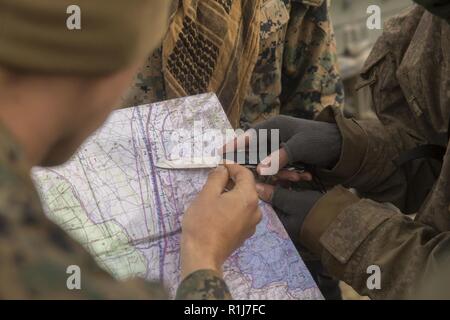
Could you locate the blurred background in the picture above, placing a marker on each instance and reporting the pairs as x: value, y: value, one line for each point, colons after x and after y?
x: 355, y: 41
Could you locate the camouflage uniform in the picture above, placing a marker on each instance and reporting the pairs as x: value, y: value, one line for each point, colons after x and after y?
x: 407, y: 74
x: 296, y: 72
x: 35, y: 253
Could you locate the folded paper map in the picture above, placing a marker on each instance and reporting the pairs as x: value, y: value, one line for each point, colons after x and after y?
x: 113, y: 200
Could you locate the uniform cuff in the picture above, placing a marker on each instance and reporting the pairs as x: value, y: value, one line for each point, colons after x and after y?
x: 322, y: 215
x: 354, y: 148
x: 338, y: 226
x: 203, y: 285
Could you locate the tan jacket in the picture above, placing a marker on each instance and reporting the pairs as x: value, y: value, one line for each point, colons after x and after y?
x: 408, y: 74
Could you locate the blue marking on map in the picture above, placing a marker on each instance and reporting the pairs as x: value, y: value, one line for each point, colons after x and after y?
x: 275, y: 261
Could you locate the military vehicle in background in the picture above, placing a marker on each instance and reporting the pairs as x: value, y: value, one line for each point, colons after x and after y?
x: 355, y: 41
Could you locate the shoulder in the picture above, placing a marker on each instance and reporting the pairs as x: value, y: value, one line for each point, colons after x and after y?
x: 18, y: 197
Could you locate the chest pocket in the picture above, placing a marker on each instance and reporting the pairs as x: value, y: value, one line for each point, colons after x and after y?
x: 379, y: 76
x: 274, y: 16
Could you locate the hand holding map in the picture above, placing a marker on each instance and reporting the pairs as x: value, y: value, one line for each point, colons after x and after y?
x: 218, y: 223
x: 128, y: 213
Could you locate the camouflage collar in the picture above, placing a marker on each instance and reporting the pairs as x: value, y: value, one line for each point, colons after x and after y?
x: 11, y: 153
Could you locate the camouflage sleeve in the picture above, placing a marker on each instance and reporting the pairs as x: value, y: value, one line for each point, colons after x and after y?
x: 367, y: 162
x: 311, y: 79
x: 353, y: 236
x: 38, y: 260
x: 148, y: 85
x: 203, y: 285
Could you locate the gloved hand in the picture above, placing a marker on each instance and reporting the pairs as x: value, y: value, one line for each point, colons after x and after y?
x: 310, y: 142
x: 307, y: 141
x: 292, y: 207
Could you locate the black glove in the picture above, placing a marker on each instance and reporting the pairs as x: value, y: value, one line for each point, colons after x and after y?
x: 307, y: 141
x: 292, y: 208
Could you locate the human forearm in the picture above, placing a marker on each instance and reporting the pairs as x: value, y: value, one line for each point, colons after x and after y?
x: 214, y: 226
x: 367, y: 159
x: 350, y: 235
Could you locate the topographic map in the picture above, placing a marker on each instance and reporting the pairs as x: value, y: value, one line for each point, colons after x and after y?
x: 112, y: 199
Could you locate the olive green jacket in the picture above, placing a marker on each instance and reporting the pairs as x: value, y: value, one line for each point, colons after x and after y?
x: 409, y: 79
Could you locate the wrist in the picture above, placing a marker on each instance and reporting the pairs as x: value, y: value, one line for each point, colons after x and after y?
x: 195, y: 257
x: 322, y: 215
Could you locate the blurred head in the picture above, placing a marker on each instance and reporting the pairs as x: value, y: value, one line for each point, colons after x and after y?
x: 74, y: 107
x: 70, y: 80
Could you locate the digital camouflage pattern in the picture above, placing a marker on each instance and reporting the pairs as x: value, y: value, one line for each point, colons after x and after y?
x: 407, y: 76
x: 207, y: 287
x: 263, y: 98
x: 311, y: 79
x: 35, y: 253
x: 148, y: 86
x: 296, y: 72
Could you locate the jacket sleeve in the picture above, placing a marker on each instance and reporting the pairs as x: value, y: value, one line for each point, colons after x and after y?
x: 148, y: 84
x: 203, y: 285
x: 351, y: 235
x: 367, y: 162
x: 311, y: 79
x: 371, y: 146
